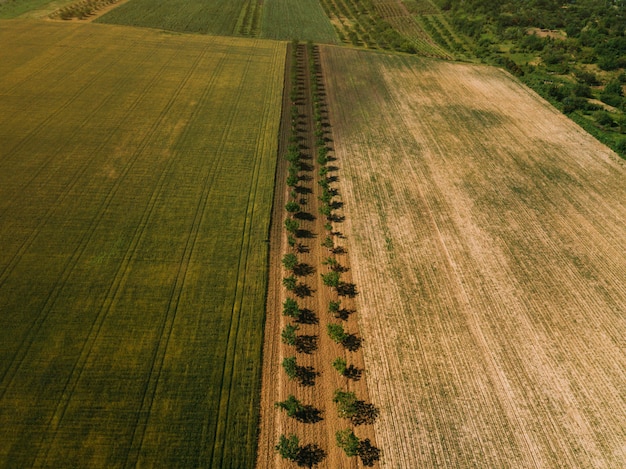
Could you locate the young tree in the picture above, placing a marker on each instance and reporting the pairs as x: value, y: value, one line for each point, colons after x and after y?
x: 292, y: 180
x: 348, y: 441
x: 328, y: 243
x: 325, y: 210
x: 346, y: 403
x: 340, y: 365
x: 292, y: 206
x: 291, y: 405
x: 290, y: 283
x: 291, y: 367
x: 331, y: 262
x: 289, y: 334
x: 291, y: 309
x: 331, y: 279
x: 336, y: 333
x: 290, y: 261
x: 333, y: 307
x: 291, y: 225
x: 288, y: 448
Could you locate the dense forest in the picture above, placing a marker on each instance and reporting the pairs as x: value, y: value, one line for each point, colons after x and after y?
x: 571, y: 52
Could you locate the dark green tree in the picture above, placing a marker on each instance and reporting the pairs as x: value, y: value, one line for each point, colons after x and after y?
x: 288, y: 448
x: 288, y: 334
x: 291, y: 367
x: 291, y: 405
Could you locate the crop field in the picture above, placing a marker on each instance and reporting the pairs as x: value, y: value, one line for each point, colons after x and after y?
x: 273, y: 19
x: 219, y: 17
x: 297, y: 19
x: 136, y: 180
x: 486, y: 233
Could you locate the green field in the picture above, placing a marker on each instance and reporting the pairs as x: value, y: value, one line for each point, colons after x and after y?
x: 297, y: 19
x: 136, y: 178
x: 274, y: 19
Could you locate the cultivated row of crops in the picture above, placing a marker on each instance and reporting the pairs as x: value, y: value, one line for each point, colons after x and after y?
x: 134, y: 198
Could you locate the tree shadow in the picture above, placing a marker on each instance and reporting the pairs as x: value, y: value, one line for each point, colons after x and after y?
x: 352, y: 343
x: 336, y: 218
x: 309, y: 414
x: 303, y: 269
x: 310, y: 455
x: 305, y: 177
x: 339, y: 250
x: 302, y: 190
x: 332, y: 168
x: 368, y: 453
x: 306, y: 344
x: 304, y: 234
x: 344, y: 314
x: 306, y: 375
x: 302, y: 248
x: 302, y: 290
x: 307, y: 317
x: 366, y: 413
x: 353, y: 373
x: 306, y: 167
x: 336, y: 204
x: 306, y: 216
x: 347, y: 289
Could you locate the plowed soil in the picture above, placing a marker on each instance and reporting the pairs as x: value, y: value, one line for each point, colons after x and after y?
x: 486, y: 234
x: 276, y: 386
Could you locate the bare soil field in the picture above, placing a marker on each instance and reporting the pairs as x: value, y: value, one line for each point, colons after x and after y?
x: 486, y: 233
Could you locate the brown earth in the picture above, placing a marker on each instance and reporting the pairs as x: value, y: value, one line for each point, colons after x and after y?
x: 486, y: 234
x: 276, y: 386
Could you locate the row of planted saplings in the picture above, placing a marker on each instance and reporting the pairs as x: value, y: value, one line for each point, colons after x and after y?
x: 348, y: 406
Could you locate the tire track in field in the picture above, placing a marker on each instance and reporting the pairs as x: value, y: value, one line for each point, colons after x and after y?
x: 165, y: 331
x: 246, y: 246
x: 121, y: 275
x: 6, y: 272
x: 228, y: 368
x: 22, y: 350
x: 78, y: 92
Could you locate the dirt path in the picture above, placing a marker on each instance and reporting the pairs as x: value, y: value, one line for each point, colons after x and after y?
x: 318, y: 438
